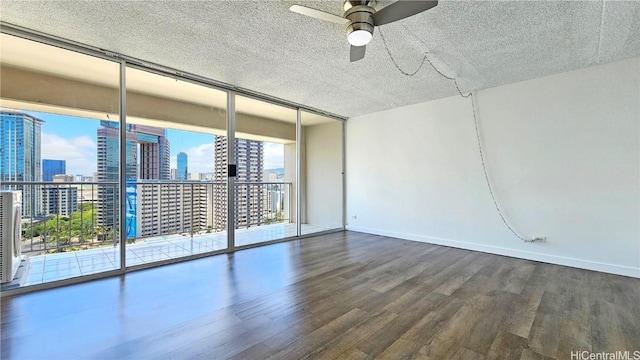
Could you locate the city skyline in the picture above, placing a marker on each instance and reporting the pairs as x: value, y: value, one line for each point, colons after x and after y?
x: 76, y: 143
x: 146, y: 158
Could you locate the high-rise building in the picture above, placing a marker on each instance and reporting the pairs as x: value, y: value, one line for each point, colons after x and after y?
x: 183, y: 168
x: 108, y: 168
x: 62, y: 199
x: 249, y: 198
x: 154, y: 163
x: 169, y: 208
x: 53, y: 167
x: 155, y: 152
x: 20, y: 158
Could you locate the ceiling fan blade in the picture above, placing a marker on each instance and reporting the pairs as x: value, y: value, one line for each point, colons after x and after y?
x: 357, y: 52
x: 318, y: 14
x: 400, y: 10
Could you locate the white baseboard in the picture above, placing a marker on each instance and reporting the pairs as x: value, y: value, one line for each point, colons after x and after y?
x: 552, y: 259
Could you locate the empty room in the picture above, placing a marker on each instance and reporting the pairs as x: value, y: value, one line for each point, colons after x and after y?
x: 335, y: 179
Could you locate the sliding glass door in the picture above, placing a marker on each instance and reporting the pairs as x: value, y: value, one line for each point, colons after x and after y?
x: 176, y: 192
x: 265, y: 158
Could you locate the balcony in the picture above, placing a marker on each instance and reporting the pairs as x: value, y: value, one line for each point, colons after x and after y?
x: 66, y: 242
x: 59, y: 266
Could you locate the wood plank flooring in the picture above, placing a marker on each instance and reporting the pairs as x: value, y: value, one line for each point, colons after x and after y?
x: 345, y: 295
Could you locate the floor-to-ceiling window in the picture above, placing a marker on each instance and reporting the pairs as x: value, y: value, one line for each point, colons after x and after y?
x: 73, y: 156
x: 265, y: 156
x: 54, y: 105
x: 176, y: 191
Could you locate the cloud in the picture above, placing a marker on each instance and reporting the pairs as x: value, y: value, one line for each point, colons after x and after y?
x: 199, y: 158
x: 273, y: 155
x: 79, y: 152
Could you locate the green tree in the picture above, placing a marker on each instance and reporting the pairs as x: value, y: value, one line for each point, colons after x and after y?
x: 78, y: 227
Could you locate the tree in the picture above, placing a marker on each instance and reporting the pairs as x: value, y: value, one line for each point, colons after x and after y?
x: 78, y: 227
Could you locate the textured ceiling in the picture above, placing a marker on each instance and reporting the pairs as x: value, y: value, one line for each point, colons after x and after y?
x: 263, y: 47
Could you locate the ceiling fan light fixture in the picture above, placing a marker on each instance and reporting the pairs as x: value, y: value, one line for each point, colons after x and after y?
x: 360, y: 28
x: 359, y: 37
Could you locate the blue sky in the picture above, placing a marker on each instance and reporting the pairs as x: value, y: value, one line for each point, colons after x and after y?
x: 74, y: 139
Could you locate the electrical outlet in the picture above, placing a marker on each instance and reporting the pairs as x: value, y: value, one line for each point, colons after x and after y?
x: 354, y: 217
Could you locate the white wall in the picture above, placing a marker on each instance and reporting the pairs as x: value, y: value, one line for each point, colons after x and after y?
x: 324, y: 174
x: 563, y: 156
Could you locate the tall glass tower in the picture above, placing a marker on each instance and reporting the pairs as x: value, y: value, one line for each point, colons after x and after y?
x: 20, y: 158
x: 147, y: 157
x: 108, y: 168
x: 183, y: 169
x: 53, y: 167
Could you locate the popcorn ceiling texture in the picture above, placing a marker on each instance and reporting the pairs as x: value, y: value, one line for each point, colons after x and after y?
x: 262, y: 46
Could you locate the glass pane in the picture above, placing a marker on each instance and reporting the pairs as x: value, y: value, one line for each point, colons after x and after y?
x: 53, y: 101
x: 176, y: 195
x: 322, y: 164
x: 265, y: 183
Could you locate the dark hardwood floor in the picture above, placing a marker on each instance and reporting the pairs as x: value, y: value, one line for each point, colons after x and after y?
x: 344, y: 295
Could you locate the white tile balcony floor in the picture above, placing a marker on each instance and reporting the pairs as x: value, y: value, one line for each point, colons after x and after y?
x: 51, y: 267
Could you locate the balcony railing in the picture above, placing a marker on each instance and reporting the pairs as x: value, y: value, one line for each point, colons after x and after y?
x: 69, y: 216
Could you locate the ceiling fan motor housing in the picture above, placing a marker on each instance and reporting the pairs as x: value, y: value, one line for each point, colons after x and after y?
x: 348, y: 4
x: 360, y: 15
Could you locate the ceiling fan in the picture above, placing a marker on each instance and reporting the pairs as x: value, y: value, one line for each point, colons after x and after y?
x: 360, y: 18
